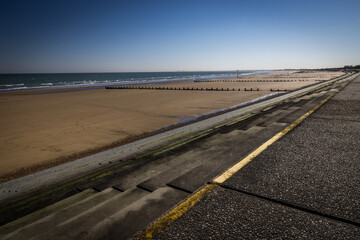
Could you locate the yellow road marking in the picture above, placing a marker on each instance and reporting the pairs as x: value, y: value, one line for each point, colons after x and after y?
x: 181, y: 209
x: 177, y: 212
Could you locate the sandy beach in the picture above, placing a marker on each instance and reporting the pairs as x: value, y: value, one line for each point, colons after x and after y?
x: 43, y: 128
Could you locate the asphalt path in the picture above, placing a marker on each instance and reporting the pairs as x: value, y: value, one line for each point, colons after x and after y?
x: 304, y: 186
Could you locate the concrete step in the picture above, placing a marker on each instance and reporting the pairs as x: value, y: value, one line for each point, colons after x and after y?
x: 247, y: 131
x: 256, y: 120
x: 129, y: 220
x: 289, y: 103
x: 248, y: 140
x: 181, y: 161
x: 195, y: 178
x: 224, y: 144
x: 79, y: 225
x: 168, y: 168
x: 280, y: 114
x: 268, y: 118
x: 238, y: 143
x: 234, y: 149
x: 316, y: 100
x: 139, y: 173
x: 214, y: 145
x: 240, y: 146
x: 161, y: 179
x: 8, y: 230
x: 76, y: 206
x: 67, y: 223
x: 304, y: 108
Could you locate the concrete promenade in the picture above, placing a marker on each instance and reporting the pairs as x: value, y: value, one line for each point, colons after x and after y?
x: 306, y: 185
x: 300, y: 181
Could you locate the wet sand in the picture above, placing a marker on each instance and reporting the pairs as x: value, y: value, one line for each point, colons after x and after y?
x: 38, y: 129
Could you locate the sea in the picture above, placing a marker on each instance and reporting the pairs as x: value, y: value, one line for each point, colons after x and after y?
x: 23, y: 82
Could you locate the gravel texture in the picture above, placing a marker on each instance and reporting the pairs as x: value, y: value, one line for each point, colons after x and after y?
x: 315, y: 166
x: 227, y: 214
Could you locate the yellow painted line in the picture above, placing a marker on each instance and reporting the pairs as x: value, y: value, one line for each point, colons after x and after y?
x: 185, y: 206
x: 177, y: 212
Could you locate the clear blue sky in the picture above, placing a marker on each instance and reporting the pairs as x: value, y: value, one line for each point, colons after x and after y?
x: 152, y: 35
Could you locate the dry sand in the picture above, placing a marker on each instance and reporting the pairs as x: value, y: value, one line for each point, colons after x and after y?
x: 41, y: 128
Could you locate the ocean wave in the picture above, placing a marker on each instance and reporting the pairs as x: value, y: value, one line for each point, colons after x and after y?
x: 12, y: 85
x: 18, y: 88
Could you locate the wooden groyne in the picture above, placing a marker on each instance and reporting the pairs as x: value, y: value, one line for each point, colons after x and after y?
x: 259, y: 80
x: 182, y: 88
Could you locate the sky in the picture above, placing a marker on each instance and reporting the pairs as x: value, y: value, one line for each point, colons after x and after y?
x: 53, y: 36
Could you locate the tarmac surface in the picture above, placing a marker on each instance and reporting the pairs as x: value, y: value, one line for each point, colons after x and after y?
x: 304, y: 186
